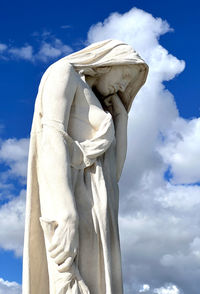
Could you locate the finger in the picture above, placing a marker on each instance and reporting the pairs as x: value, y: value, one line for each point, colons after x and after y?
x: 116, y: 99
x: 56, y: 251
x: 65, y: 266
x: 52, y: 247
x: 107, y: 101
x: 61, y: 257
x: 55, y: 242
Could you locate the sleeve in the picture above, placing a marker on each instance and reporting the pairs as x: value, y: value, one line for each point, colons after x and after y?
x: 83, y: 154
x: 56, y: 193
x: 100, y: 142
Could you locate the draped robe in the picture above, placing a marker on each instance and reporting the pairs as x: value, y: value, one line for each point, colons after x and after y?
x: 62, y: 128
x: 94, y: 185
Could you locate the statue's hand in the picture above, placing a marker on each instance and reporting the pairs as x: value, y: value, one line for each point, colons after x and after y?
x: 115, y: 106
x: 64, y: 245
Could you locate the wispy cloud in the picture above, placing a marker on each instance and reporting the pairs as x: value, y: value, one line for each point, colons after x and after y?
x: 25, y: 52
x: 65, y: 27
x: 48, y: 48
x: 170, y: 289
x: 3, y: 47
x: 52, y: 50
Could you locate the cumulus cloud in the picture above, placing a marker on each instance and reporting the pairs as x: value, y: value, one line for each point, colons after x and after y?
x: 7, y: 287
x: 14, y: 154
x: 181, y: 151
x: 160, y: 202
x: 12, y: 224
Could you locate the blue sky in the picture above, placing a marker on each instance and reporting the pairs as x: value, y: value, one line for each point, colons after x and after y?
x: 32, y: 36
x: 22, y: 20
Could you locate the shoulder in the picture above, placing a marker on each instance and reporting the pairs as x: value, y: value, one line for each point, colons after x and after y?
x: 62, y: 66
x: 60, y: 82
x: 61, y: 75
x: 61, y: 69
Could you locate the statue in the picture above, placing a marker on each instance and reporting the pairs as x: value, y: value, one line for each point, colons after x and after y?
x: 77, y: 152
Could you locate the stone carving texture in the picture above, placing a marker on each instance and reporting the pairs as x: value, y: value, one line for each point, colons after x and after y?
x: 76, y: 156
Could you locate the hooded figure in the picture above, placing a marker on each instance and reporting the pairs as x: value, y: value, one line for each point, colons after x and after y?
x: 72, y: 190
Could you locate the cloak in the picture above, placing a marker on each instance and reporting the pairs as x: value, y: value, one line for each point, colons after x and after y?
x: 92, y: 179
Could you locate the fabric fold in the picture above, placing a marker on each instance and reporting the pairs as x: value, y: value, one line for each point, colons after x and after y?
x: 88, y: 150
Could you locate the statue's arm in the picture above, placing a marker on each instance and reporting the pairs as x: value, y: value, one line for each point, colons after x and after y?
x: 120, y: 118
x: 57, y: 97
x: 56, y: 194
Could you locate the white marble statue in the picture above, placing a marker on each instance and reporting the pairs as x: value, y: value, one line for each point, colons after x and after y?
x: 77, y: 152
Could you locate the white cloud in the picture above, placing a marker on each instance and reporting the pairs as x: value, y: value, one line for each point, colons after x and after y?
x: 7, y: 287
x: 171, y: 289
x: 52, y: 50
x: 49, y: 48
x: 14, y: 154
x: 64, y: 27
x: 144, y: 288
x: 25, y: 52
x: 3, y: 47
x: 180, y: 198
x: 159, y: 217
x: 12, y: 224
x: 181, y: 151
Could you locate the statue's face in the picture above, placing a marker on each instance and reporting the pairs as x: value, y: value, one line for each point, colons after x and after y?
x: 117, y: 79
